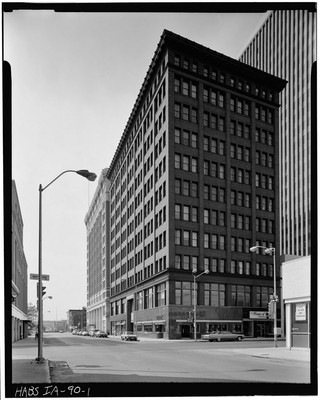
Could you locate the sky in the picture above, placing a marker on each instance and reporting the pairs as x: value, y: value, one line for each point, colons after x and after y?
x: 75, y: 79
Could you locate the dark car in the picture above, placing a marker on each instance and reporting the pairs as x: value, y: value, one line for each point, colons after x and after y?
x: 101, y: 334
x: 218, y: 336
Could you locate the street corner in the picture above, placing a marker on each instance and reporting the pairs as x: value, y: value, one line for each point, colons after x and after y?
x: 59, y: 370
x: 30, y: 371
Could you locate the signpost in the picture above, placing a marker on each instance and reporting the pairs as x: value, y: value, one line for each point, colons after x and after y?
x: 36, y: 277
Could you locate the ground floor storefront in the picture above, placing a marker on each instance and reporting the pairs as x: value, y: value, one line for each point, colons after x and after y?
x: 173, y: 322
x: 19, y: 324
x: 297, y: 301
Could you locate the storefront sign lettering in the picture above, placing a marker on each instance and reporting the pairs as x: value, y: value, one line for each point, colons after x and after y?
x: 258, y: 315
x: 301, y: 314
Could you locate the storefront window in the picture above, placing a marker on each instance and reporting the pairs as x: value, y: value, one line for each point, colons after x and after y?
x: 147, y: 327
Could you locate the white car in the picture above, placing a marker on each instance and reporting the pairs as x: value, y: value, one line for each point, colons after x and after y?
x: 129, y: 336
x: 218, y: 336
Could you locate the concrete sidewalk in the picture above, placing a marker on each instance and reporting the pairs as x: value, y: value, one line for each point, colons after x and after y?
x: 30, y: 371
x: 26, y: 370
x: 279, y: 353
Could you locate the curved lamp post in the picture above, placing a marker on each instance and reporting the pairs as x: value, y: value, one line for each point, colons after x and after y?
x: 91, y: 177
x: 195, y: 300
x: 271, y: 251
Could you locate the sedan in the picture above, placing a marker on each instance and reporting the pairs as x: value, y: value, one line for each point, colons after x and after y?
x: 102, y: 334
x: 85, y: 333
x: 218, y: 336
x: 129, y: 336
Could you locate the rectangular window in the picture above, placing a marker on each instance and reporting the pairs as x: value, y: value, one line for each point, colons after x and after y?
x: 194, y: 189
x: 214, y: 264
x: 185, y: 113
x: 177, y: 110
x: 194, y: 115
x: 195, y: 239
x: 214, y: 241
x: 185, y: 163
x: 178, y: 237
x: 186, y: 262
x: 186, y: 188
x: 177, y: 161
x: 194, y: 164
x: 177, y: 211
x: 186, y: 238
x: 186, y: 213
x: 177, y: 186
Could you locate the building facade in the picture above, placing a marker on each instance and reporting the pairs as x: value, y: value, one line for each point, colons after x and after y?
x: 77, y: 319
x: 193, y: 185
x: 98, y: 244
x: 285, y: 46
x: 19, y: 280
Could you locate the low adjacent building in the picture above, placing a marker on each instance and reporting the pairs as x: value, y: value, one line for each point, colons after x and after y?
x: 19, y: 280
x: 296, y: 275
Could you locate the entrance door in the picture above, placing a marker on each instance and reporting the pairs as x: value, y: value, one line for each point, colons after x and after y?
x: 185, y: 331
x: 261, y: 330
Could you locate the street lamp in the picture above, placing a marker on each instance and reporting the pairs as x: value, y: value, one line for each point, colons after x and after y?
x: 271, y: 251
x: 91, y: 177
x: 195, y: 300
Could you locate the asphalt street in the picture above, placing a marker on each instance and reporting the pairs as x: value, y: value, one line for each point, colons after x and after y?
x: 74, y: 359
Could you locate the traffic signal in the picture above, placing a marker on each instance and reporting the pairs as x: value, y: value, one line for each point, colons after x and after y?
x: 272, y: 309
x: 43, y: 292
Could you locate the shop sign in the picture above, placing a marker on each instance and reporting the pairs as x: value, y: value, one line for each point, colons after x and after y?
x: 258, y: 315
x: 301, y: 314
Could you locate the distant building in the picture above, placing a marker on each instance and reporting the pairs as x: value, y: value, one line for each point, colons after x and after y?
x: 193, y: 185
x: 77, y: 319
x: 97, y: 222
x: 285, y: 46
x: 54, y: 326
x: 19, y: 282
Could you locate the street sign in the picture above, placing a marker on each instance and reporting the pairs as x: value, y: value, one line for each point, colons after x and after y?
x: 36, y: 277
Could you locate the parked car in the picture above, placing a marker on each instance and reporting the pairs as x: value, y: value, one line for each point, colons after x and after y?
x: 218, y: 336
x: 101, y: 334
x: 129, y: 336
x: 93, y: 332
x: 85, y: 333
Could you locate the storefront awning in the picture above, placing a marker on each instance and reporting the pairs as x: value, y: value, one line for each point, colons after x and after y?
x: 212, y: 321
x: 16, y: 313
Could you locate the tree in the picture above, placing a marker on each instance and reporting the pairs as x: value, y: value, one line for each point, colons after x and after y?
x: 33, y: 315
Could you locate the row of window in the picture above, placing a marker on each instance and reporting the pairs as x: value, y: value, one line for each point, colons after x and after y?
x: 211, y: 240
x: 213, y: 145
x: 240, y: 129
x: 214, y: 294
x: 213, y: 217
x: 185, y: 86
x: 219, y: 76
x: 264, y: 159
x: 216, y: 146
x: 241, y: 245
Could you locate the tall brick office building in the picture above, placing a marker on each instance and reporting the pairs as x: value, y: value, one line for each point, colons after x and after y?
x: 194, y: 184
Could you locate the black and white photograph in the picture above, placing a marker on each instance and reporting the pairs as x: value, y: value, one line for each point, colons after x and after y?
x: 159, y: 199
